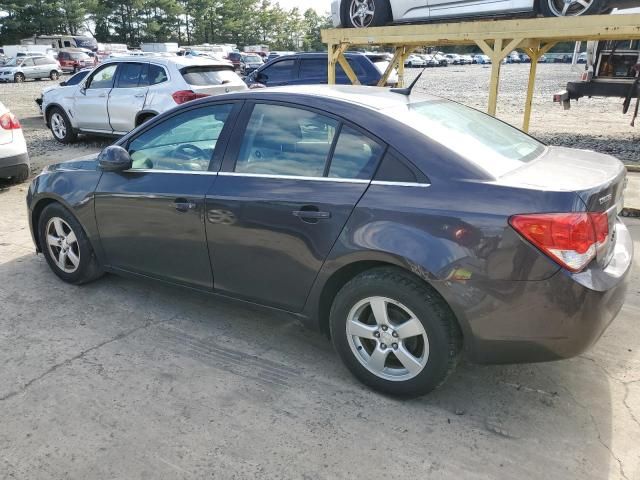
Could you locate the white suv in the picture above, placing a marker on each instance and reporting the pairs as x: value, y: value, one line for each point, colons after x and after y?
x: 123, y: 93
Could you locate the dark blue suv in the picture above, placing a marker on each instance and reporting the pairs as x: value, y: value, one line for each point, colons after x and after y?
x: 311, y: 68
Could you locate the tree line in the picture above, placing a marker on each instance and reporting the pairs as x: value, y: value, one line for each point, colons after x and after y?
x: 188, y: 22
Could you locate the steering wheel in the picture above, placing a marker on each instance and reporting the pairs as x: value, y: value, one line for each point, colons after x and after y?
x: 187, y: 151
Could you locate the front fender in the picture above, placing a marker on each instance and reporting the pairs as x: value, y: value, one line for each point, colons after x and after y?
x: 74, y: 189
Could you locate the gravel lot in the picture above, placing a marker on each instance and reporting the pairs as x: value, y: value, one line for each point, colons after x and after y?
x: 607, y: 129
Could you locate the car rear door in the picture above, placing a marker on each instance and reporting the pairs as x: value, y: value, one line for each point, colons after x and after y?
x: 90, y: 101
x: 151, y: 217
x: 128, y: 96
x: 288, y: 185
x: 29, y: 68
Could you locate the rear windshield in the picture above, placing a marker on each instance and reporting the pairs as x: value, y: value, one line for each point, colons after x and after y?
x: 79, y: 56
x: 209, y: 75
x: 491, y: 144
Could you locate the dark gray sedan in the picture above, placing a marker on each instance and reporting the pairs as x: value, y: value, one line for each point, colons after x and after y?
x: 410, y: 229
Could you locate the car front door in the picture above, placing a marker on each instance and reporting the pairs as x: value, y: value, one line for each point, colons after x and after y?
x: 127, y: 98
x: 90, y: 101
x: 151, y: 217
x: 282, y: 72
x: 282, y: 199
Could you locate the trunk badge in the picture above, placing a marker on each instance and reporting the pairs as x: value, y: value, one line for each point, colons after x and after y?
x: 604, y: 199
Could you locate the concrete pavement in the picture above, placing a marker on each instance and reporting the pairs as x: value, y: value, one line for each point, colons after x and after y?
x: 121, y: 379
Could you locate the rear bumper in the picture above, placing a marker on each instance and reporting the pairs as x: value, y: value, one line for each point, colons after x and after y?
x: 10, y: 166
x: 561, y: 317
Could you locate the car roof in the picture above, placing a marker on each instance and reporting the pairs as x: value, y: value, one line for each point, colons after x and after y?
x: 178, y: 61
x: 375, y: 98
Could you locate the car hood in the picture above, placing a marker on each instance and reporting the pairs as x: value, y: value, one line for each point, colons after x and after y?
x: 84, y: 163
x: 8, y: 69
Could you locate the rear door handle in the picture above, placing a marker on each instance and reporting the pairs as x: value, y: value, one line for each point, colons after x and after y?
x: 311, y: 214
x: 184, y: 205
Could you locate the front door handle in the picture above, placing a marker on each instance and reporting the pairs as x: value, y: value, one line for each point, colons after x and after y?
x: 184, y: 205
x: 139, y: 95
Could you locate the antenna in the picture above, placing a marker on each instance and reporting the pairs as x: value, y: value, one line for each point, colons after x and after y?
x: 407, y: 90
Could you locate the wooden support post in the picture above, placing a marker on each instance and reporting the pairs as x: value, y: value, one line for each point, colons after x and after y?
x: 335, y: 56
x: 392, y: 64
x: 534, y: 53
x: 497, y: 54
x: 331, y: 67
x: 404, y: 52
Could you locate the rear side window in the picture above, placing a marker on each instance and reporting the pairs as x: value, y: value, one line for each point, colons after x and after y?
x: 355, y: 156
x: 313, y: 67
x: 129, y: 75
x: 281, y: 71
x: 286, y: 141
x: 209, y: 75
x: 156, y: 74
x: 43, y: 61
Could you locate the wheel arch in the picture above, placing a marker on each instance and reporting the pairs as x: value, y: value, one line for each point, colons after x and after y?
x: 40, y: 204
x: 47, y: 113
x: 144, y: 114
x: 345, y: 273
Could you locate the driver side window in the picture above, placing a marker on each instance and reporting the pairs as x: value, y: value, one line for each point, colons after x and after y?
x: 184, y: 142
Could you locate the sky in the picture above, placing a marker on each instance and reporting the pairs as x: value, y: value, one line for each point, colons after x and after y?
x: 322, y: 6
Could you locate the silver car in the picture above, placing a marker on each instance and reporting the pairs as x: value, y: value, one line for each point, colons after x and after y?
x: 122, y: 93
x: 375, y: 13
x: 19, y: 69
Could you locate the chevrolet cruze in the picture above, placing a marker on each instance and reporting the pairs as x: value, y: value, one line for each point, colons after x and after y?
x: 408, y: 228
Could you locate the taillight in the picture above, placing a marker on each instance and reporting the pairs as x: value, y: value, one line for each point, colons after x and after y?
x: 8, y: 121
x: 184, y: 96
x: 571, y: 239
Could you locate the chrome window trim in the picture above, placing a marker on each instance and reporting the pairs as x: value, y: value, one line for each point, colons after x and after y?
x: 400, y: 184
x: 294, y: 177
x: 180, y: 172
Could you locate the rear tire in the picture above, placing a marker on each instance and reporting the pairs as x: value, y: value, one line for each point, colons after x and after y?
x: 22, y: 175
x: 357, y: 13
x: 72, y: 258
x: 18, y: 77
x: 60, y: 126
x: 558, y: 8
x: 394, y: 333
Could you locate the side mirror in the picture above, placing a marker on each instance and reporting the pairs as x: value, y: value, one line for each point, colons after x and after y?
x: 114, y: 159
x: 63, y: 84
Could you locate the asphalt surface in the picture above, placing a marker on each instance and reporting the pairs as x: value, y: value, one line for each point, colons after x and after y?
x: 126, y: 379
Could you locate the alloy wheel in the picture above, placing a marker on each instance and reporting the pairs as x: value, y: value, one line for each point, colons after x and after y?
x: 387, y: 338
x: 63, y: 245
x: 58, y: 125
x: 361, y: 12
x: 19, y: 78
x: 569, y: 8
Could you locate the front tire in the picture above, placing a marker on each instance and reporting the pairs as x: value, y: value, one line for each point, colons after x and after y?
x: 66, y: 247
x: 60, y: 126
x: 365, y: 13
x: 572, y: 8
x: 18, y: 77
x: 53, y: 75
x: 394, y: 333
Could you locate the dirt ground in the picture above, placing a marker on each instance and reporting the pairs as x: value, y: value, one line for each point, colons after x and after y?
x: 127, y: 379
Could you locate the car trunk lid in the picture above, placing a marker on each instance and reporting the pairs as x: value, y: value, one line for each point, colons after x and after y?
x: 597, y: 179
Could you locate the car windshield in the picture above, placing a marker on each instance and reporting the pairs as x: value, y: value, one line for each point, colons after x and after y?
x: 209, y: 75
x: 494, y: 146
x: 79, y: 56
x: 14, y: 62
x: 252, y: 58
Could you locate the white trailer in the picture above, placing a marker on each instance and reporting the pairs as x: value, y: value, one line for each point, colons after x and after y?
x: 14, y: 50
x: 167, y: 47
